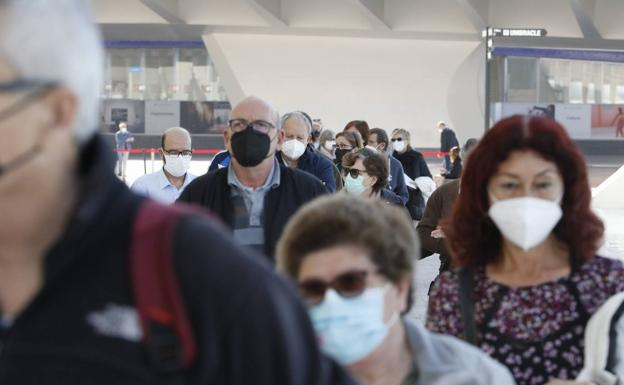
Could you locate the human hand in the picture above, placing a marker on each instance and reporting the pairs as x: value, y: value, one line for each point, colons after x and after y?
x: 437, y: 233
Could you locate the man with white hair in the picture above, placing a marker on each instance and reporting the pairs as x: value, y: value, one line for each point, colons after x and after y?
x: 296, y: 153
x: 166, y: 184
x: 71, y: 308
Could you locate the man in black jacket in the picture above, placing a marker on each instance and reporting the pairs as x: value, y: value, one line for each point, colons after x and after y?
x: 448, y: 140
x: 254, y: 195
x: 67, y: 309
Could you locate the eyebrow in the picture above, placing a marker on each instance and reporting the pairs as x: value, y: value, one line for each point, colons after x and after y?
x: 541, y: 173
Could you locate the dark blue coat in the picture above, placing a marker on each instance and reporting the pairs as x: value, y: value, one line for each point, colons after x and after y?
x: 397, y: 180
x: 317, y: 165
x: 220, y: 160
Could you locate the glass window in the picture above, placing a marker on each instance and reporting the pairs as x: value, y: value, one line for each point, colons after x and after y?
x: 521, y: 79
x: 162, y: 74
x: 554, y: 81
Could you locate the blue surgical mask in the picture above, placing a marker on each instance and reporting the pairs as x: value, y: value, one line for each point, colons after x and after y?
x: 349, y: 329
x: 354, y: 186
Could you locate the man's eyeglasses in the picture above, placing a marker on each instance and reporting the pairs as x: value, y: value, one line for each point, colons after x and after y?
x: 26, y: 84
x: 40, y: 88
x: 354, y: 172
x: 262, y: 126
x: 396, y: 140
x: 348, y: 285
x: 178, y: 153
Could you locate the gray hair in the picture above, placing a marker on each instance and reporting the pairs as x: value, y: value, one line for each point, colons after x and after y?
x: 300, y: 116
x: 56, y: 40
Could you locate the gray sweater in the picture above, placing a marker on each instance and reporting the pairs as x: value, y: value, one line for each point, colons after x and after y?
x: 446, y: 360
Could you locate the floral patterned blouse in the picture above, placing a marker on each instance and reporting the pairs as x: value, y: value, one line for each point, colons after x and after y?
x: 536, y: 331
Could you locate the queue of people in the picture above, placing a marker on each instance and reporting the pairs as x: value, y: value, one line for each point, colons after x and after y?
x: 265, y: 271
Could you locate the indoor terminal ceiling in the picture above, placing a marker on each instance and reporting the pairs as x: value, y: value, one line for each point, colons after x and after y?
x: 426, y: 19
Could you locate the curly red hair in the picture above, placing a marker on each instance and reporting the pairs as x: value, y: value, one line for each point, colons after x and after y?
x: 474, y: 240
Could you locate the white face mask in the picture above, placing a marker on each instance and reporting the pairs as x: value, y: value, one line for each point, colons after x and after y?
x: 330, y: 145
x: 526, y: 221
x: 293, y: 149
x: 398, y: 146
x: 177, y: 165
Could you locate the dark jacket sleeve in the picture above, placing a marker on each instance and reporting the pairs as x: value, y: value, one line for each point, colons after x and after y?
x: 429, y: 222
x: 193, y: 192
x: 251, y: 329
x: 220, y: 157
x: 400, y: 188
x: 421, y: 166
x: 325, y: 172
x: 456, y: 170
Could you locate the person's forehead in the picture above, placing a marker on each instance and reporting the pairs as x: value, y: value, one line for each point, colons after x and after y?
x: 331, y: 262
x: 251, y: 110
x: 526, y: 164
x: 177, y: 138
x: 341, y: 139
x: 295, y: 125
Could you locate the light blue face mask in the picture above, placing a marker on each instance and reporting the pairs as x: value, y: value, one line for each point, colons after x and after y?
x: 349, y: 329
x: 354, y: 186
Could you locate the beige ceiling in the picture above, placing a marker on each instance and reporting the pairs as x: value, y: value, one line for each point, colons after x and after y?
x: 387, y: 17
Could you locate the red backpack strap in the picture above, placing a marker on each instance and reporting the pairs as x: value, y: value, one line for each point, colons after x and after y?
x: 167, y: 331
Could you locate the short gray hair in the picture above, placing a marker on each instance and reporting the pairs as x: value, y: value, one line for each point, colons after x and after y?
x: 57, y: 40
x: 300, y: 116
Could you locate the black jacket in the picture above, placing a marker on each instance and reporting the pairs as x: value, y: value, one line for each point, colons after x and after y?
x: 296, y: 188
x: 456, y: 169
x: 413, y: 163
x: 448, y: 140
x: 248, y: 324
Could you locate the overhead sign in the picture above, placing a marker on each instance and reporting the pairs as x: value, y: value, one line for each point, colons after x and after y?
x: 517, y: 32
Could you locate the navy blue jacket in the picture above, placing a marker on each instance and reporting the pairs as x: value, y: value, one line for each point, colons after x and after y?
x: 220, y: 160
x: 397, y: 180
x: 448, y: 140
x: 317, y: 165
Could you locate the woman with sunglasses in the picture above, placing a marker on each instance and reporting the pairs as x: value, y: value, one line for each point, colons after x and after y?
x: 366, y: 175
x: 413, y: 161
x: 356, y: 281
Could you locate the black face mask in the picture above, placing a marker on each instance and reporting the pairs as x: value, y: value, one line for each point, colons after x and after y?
x: 340, y: 153
x: 250, y: 147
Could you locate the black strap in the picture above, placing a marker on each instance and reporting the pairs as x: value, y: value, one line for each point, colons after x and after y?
x: 612, y: 356
x: 467, y: 305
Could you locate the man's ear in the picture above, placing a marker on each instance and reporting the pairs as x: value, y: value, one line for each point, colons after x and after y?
x: 227, y: 136
x: 63, y: 104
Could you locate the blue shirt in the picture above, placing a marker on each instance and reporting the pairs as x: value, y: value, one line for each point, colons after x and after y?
x: 157, y: 186
x: 122, y: 140
x: 248, y: 207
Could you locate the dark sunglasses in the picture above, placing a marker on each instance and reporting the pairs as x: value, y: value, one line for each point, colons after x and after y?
x: 354, y: 172
x: 396, y: 140
x: 348, y: 285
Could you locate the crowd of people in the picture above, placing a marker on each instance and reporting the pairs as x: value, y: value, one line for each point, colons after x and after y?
x: 291, y: 260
